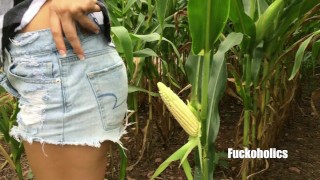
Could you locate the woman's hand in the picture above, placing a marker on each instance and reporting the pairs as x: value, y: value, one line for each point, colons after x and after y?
x: 64, y: 14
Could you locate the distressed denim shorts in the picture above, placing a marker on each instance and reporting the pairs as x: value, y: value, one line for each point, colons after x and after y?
x: 64, y: 100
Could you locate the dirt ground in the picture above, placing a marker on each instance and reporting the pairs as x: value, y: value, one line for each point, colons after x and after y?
x: 301, y: 139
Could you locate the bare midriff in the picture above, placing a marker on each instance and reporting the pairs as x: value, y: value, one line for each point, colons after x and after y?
x: 41, y: 20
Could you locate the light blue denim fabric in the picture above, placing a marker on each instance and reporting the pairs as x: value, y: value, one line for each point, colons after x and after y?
x: 64, y: 100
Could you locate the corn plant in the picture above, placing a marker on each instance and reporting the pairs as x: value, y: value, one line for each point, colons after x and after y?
x: 8, y: 111
x: 266, y: 79
x: 206, y: 70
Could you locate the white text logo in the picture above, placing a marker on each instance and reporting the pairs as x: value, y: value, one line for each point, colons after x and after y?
x: 258, y: 153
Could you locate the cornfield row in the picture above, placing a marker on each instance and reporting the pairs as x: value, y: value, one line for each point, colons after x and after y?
x: 257, y: 46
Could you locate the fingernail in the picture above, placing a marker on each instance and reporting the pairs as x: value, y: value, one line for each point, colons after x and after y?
x: 81, y: 57
x: 62, y: 53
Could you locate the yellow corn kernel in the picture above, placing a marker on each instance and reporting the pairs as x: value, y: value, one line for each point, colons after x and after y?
x: 179, y: 110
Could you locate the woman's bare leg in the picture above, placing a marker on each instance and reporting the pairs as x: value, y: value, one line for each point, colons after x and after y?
x: 56, y: 162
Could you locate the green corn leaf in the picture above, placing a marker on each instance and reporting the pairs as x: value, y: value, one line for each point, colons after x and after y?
x: 308, y: 5
x: 249, y: 7
x: 150, y: 8
x: 187, y: 169
x: 261, y: 7
x: 2, y: 90
x: 193, y: 143
x: 300, y: 54
x: 207, y: 19
x: 147, y: 52
x: 238, y: 82
x: 114, y: 19
x: 15, y: 112
x: 19, y: 168
x: 246, y: 6
x: 128, y: 6
x: 173, y: 81
x: 174, y: 157
x: 113, y: 7
x: 217, y: 85
x: 217, y: 82
x: 125, y: 41
x: 161, y: 6
x: 147, y: 37
x: 197, y: 173
x: 16, y: 149
x: 123, y: 164
x: 166, y: 71
x: 277, y: 37
x: 267, y: 19
x: 179, y: 154
x: 16, y: 152
x: 156, y: 37
x: 256, y: 63
x: 315, y: 51
x: 5, y: 124
x: 289, y: 17
x: 244, y: 24
x: 140, y: 23
x: 193, y: 68
x: 132, y: 89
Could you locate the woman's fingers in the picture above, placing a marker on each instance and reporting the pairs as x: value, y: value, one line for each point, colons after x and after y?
x: 70, y: 32
x: 87, y: 23
x: 63, y: 19
x: 94, y: 8
x: 57, y: 34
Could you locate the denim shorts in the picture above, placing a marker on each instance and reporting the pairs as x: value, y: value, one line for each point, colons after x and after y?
x: 64, y: 100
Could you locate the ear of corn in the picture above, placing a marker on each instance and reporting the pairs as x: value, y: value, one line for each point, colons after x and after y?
x: 179, y: 110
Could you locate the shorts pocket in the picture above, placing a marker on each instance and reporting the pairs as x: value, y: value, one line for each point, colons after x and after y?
x: 7, y: 86
x: 39, y: 73
x: 110, y: 86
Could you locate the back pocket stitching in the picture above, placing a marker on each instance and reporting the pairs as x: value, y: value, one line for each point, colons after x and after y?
x: 96, y: 91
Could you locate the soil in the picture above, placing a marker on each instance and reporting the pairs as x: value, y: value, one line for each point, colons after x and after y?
x: 301, y: 137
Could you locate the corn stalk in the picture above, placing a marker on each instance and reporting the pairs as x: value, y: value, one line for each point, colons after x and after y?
x: 206, y: 22
x: 206, y: 72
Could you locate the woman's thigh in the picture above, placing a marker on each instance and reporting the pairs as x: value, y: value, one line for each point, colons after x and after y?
x: 68, y: 162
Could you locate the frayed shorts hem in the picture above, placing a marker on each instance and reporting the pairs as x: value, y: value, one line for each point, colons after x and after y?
x: 112, y: 135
